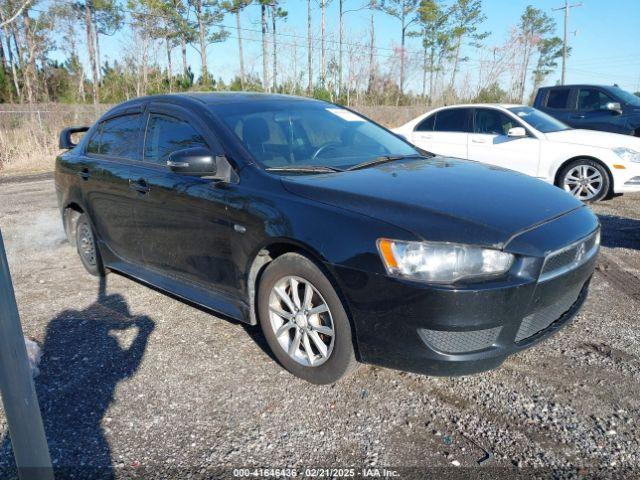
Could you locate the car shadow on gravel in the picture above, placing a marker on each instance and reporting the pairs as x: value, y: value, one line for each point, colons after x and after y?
x: 620, y: 232
x: 84, y: 356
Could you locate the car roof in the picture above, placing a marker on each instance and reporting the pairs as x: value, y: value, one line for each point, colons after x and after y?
x: 219, y: 98
x: 580, y: 85
x: 474, y: 105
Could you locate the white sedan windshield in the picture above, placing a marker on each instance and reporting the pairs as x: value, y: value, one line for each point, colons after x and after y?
x: 539, y: 120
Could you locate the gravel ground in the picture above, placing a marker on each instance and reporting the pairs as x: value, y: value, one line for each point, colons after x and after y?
x: 135, y: 382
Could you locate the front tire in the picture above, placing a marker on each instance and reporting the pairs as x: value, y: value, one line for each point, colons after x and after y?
x: 585, y: 179
x: 304, y: 320
x: 87, y: 247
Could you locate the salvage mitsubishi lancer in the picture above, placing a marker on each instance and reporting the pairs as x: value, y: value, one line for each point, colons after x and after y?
x: 344, y: 242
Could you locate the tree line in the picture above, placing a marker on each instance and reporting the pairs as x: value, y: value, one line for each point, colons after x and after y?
x: 332, y: 64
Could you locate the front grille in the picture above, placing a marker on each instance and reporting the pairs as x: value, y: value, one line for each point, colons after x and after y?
x: 570, y: 257
x: 543, y: 318
x: 459, y: 342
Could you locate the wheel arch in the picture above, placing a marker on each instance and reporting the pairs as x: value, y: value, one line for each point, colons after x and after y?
x: 275, y: 248
x: 70, y: 214
x: 556, y: 176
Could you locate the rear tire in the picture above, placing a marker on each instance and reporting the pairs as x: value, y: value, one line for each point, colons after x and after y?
x: 87, y: 247
x: 585, y: 179
x: 311, y: 333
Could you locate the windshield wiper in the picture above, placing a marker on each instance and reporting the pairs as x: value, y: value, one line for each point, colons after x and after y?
x: 304, y: 169
x: 383, y: 159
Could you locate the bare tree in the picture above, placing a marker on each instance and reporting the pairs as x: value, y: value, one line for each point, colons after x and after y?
x: 184, y: 30
x: 550, y: 50
x: 266, y: 85
x: 208, y: 13
x: 276, y: 13
x: 309, y: 50
x: 107, y: 19
x: 88, y: 7
x: 373, y: 6
x: 13, y: 61
x: 323, y: 56
x: 341, y: 13
x: 236, y: 7
x: 467, y: 16
x: 533, y: 26
x: 30, y: 79
x: 436, y: 35
x: 70, y: 18
x: 10, y: 18
x: 402, y: 10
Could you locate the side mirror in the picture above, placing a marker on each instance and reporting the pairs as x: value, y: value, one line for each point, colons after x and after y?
x: 614, y: 107
x: 65, y: 142
x: 200, y: 162
x: 517, y: 132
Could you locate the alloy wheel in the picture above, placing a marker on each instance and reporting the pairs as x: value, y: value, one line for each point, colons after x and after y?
x: 583, y: 182
x: 86, y: 243
x: 301, y: 320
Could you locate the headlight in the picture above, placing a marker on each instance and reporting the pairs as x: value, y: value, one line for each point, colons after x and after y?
x: 441, y: 262
x: 627, y: 154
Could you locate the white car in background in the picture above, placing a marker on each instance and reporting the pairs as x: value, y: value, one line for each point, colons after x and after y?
x: 588, y: 164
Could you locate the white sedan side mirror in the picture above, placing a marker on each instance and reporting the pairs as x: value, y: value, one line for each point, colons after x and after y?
x: 517, y: 132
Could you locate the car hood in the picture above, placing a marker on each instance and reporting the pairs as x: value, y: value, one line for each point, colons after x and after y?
x: 441, y: 199
x: 594, y: 138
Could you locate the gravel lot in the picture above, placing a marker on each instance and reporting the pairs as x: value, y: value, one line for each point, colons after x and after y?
x: 135, y: 381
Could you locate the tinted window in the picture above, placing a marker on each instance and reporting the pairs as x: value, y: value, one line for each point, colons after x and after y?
x: 426, y: 125
x: 625, y: 96
x: 492, y: 122
x: 558, y: 98
x: 592, y: 99
x: 539, y: 120
x: 303, y: 133
x: 453, y: 120
x: 117, y: 137
x: 94, y: 142
x: 165, y: 135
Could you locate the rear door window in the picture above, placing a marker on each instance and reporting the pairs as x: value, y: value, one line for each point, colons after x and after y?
x: 117, y: 137
x: 492, y: 122
x: 452, y: 120
x: 426, y: 125
x: 558, y: 98
x: 593, y: 99
x: 166, y: 135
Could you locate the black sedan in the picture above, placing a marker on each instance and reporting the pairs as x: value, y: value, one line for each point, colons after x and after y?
x: 344, y: 242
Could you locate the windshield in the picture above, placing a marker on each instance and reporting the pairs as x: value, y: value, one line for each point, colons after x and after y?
x: 299, y: 134
x: 539, y: 120
x: 626, y: 97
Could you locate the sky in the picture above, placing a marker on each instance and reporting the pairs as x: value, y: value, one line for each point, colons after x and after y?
x: 604, y: 37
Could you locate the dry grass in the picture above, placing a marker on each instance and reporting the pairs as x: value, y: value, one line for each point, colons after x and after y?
x: 390, y: 116
x: 29, y: 134
x: 26, y: 148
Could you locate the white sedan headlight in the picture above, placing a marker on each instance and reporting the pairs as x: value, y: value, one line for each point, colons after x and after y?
x: 441, y: 262
x: 627, y: 154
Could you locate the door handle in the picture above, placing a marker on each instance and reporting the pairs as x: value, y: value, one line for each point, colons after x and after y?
x: 84, y: 174
x: 478, y: 140
x: 140, y: 186
x: 577, y: 116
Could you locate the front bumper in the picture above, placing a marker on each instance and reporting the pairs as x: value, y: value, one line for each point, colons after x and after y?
x: 443, y: 331
x: 626, y: 180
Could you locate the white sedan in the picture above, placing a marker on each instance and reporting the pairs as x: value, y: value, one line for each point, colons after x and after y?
x: 588, y: 164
